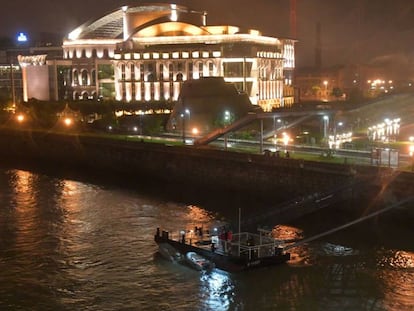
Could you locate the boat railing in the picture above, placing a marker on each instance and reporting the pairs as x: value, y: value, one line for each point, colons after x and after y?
x: 252, y: 245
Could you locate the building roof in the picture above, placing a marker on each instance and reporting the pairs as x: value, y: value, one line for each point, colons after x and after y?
x: 149, y: 21
x: 111, y: 26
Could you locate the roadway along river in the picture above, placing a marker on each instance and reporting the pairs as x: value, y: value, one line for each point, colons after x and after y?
x: 78, y: 244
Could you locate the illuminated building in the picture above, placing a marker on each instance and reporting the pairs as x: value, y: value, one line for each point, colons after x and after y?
x: 145, y: 53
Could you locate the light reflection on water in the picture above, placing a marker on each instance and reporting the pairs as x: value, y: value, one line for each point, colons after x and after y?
x: 71, y: 245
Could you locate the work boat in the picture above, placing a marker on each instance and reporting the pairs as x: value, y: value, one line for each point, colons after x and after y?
x: 170, y: 253
x: 229, y: 252
x: 198, y: 262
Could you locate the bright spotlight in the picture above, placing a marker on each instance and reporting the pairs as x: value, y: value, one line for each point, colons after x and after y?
x: 68, y: 121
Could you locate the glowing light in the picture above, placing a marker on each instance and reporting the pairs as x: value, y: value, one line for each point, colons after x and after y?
x: 174, y: 15
x: 20, y: 118
x: 74, y: 35
x: 285, y: 138
x: 22, y: 37
x: 411, y: 150
x: 194, y: 131
x: 68, y: 121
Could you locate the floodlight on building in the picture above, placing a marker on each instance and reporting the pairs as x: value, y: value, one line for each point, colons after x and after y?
x: 75, y: 34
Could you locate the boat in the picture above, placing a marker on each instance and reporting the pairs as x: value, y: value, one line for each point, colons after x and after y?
x: 338, y: 250
x: 227, y: 251
x: 170, y: 253
x: 198, y: 262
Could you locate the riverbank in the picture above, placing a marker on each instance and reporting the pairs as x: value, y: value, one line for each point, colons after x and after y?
x: 216, y: 172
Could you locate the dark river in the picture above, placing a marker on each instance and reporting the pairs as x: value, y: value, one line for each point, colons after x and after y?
x: 81, y: 244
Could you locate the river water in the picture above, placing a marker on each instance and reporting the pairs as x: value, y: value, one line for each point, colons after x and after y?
x: 79, y: 244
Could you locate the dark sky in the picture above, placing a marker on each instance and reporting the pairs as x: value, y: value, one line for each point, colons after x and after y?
x: 351, y: 30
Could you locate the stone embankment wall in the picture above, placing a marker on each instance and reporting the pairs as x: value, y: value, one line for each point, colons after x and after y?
x: 250, y: 173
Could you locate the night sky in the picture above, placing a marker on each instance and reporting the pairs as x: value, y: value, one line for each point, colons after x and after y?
x: 351, y: 30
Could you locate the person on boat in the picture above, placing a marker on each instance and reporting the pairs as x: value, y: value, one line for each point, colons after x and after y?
x: 222, y: 238
x: 213, y: 247
x: 229, y: 239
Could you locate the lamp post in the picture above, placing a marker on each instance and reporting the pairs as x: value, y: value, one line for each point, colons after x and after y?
x: 325, y: 126
x: 183, y: 116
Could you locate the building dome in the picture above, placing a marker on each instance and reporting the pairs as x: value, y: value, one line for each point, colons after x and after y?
x: 125, y: 21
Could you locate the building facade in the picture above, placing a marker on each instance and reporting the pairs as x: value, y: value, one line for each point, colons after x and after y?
x: 145, y: 53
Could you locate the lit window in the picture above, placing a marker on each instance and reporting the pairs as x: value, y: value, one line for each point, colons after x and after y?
x: 216, y: 54
x: 156, y: 55
x: 117, y: 56
x: 146, y: 55
x: 127, y: 56
x: 205, y: 54
x: 137, y: 56
x: 176, y: 55
x: 195, y: 54
x: 165, y: 55
x: 186, y: 55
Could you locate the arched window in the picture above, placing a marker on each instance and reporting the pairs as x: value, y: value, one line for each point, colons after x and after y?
x: 85, y: 95
x: 94, y: 54
x: 75, y: 96
x: 84, y: 77
x: 75, y: 77
x: 179, y: 77
x: 93, y: 77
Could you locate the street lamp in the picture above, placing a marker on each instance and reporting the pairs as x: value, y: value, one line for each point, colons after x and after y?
x: 325, y: 126
x: 183, y: 116
x: 227, y: 119
x: 68, y: 121
x: 20, y: 118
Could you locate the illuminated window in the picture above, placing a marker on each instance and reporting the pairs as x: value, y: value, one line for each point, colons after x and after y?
x: 146, y: 55
x: 186, y: 55
x: 165, y: 56
x: 195, y: 54
x: 176, y: 55
x: 205, y: 54
x: 137, y: 56
x: 216, y: 54
x: 127, y: 56
x: 156, y: 55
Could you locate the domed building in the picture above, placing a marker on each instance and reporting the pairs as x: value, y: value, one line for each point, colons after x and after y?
x: 145, y: 53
